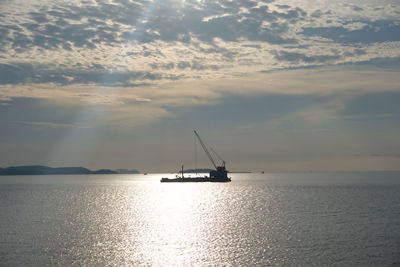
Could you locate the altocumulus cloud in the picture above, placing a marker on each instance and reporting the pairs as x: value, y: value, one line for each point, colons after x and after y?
x: 136, y: 40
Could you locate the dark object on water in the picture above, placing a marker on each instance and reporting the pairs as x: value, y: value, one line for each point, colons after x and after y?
x: 220, y: 174
x: 193, y: 179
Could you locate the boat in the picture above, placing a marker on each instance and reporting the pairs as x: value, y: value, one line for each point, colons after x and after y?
x: 220, y: 174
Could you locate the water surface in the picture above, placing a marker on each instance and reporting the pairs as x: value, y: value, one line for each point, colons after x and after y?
x: 257, y: 219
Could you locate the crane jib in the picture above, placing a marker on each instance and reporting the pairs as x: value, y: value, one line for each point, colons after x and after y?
x: 205, y: 149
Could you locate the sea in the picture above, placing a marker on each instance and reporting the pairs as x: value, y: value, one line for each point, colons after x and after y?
x: 271, y: 219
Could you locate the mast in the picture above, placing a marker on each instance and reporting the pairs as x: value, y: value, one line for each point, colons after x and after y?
x: 195, y: 154
x: 206, y: 150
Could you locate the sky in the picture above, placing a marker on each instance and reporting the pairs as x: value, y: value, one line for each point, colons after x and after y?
x: 278, y: 86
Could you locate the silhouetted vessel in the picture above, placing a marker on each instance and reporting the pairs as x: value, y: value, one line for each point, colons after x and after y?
x: 220, y: 174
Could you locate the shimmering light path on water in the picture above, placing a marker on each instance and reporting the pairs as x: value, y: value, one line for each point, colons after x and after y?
x: 271, y: 219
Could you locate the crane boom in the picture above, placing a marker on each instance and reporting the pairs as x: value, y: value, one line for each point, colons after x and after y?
x: 205, y: 149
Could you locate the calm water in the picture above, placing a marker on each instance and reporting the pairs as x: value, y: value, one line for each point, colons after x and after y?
x: 342, y: 219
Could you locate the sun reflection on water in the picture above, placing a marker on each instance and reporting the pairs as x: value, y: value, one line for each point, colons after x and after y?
x: 175, y: 226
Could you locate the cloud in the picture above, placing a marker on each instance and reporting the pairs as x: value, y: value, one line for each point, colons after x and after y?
x: 155, y: 46
x: 234, y: 109
x: 125, y: 43
x: 92, y: 24
x: 20, y: 73
x: 371, y: 32
x: 49, y: 124
x: 298, y: 57
x: 288, y: 112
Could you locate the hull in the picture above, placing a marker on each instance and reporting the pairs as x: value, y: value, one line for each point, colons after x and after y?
x: 194, y: 180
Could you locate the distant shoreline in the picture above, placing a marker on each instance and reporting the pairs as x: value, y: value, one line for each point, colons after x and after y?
x: 45, y: 170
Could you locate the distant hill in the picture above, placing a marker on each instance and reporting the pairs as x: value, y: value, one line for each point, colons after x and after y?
x: 44, y: 170
x: 198, y: 170
x: 124, y: 171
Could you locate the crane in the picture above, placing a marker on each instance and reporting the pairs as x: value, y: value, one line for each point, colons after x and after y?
x: 205, y: 149
x: 220, y: 174
x: 220, y: 171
